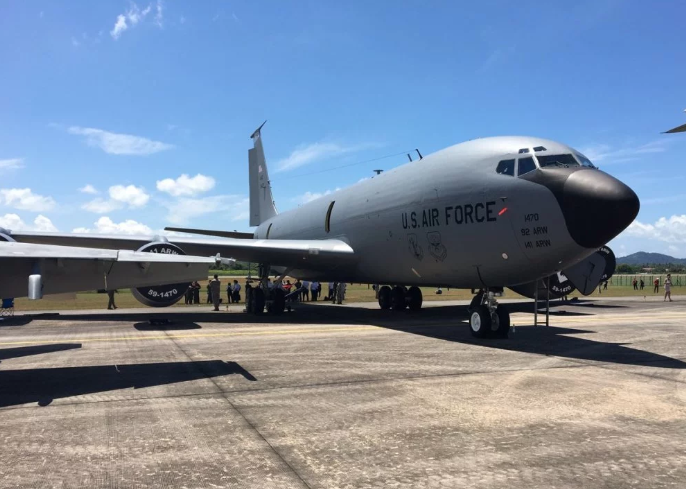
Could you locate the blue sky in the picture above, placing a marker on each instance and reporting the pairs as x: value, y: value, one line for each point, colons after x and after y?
x: 127, y: 117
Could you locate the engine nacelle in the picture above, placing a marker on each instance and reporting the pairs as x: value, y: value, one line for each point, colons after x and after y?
x: 161, y: 295
x: 560, y: 286
x: 585, y: 274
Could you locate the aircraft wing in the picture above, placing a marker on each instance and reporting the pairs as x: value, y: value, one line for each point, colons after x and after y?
x: 681, y: 128
x: 30, y: 269
x: 312, y: 254
x: 11, y: 250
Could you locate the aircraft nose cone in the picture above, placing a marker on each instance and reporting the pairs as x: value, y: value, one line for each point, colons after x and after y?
x: 597, y: 207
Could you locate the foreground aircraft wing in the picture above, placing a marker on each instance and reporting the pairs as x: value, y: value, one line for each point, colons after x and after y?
x: 681, y: 128
x: 11, y: 250
x: 32, y: 270
x: 294, y: 253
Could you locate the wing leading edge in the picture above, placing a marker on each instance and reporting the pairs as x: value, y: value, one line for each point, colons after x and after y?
x: 311, y: 254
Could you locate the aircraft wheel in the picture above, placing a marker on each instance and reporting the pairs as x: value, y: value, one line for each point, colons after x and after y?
x: 480, y: 322
x: 278, y: 304
x: 258, y: 300
x: 414, y: 298
x: 501, y: 327
x: 385, y: 297
x: 398, y: 298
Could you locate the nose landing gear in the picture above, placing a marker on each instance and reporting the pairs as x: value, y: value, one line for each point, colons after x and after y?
x: 488, y: 319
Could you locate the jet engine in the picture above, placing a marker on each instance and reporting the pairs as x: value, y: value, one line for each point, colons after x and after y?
x: 584, y: 276
x: 161, y: 295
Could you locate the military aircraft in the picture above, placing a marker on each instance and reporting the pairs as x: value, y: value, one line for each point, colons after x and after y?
x: 681, y: 128
x: 485, y: 214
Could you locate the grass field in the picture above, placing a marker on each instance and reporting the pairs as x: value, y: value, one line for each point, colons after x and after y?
x: 355, y: 293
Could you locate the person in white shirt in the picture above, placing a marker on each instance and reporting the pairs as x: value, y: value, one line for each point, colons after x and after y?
x: 668, y: 288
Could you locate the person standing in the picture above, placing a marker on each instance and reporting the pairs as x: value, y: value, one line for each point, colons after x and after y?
x: 229, y: 294
x: 110, y: 303
x: 642, y: 284
x: 340, y: 292
x: 236, y: 291
x: 209, y: 292
x: 315, y: 290
x: 635, y: 284
x: 668, y: 288
x: 306, y: 291
x: 196, y: 292
x: 215, y: 291
x: 656, y: 285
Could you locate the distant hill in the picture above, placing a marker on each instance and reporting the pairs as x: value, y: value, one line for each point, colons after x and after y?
x: 644, y: 258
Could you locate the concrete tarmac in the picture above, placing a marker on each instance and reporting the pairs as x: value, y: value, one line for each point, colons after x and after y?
x: 330, y: 396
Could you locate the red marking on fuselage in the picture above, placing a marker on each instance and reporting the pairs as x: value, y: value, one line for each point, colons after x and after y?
x: 502, y: 211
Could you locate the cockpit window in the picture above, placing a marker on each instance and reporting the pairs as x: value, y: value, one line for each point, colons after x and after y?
x: 557, y: 161
x: 584, y: 161
x: 526, y: 165
x: 506, y: 167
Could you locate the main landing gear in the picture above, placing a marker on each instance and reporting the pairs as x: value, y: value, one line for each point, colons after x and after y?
x: 488, y: 319
x: 398, y: 298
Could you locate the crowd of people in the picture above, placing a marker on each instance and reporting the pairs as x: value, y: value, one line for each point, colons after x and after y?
x: 306, y: 292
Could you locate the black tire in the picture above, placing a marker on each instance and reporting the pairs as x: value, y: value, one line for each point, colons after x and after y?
x: 502, y: 328
x: 414, y: 298
x: 257, y: 300
x: 385, y: 297
x: 480, y: 322
x: 398, y: 298
x: 279, y: 301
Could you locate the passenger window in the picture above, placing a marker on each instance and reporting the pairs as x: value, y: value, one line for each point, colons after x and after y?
x: 506, y: 167
x: 526, y: 165
x: 327, y: 223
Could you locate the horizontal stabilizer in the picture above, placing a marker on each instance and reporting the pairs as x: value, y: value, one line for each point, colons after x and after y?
x: 211, y: 232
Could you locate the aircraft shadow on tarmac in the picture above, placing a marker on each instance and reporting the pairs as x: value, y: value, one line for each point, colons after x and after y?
x: 167, y: 326
x: 43, y: 385
x: 446, y: 323
x: 25, y: 351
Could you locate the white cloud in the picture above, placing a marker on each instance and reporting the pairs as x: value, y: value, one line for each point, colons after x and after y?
x: 309, y: 153
x: 88, y: 189
x: 75, y: 42
x: 13, y: 222
x: 234, y: 207
x: 185, y: 185
x: 608, y: 154
x: 25, y: 199
x: 119, y: 26
x: 105, y: 225
x: 119, y: 144
x: 159, y: 14
x: 12, y: 164
x: 310, y: 196
x: 101, y: 206
x: 131, y: 195
x: 120, y: 196
x: 133, y: 16
x: 669, y: 230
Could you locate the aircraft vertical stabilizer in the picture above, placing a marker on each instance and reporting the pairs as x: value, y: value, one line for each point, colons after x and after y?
x: 261, y: 199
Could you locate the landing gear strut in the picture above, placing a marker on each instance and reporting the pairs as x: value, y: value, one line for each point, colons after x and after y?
x: 488, y: 319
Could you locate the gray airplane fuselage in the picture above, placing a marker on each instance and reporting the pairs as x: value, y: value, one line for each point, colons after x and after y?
x: 450, y: 219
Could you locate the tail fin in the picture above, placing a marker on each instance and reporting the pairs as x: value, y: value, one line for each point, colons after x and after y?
x: 261, y: 200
